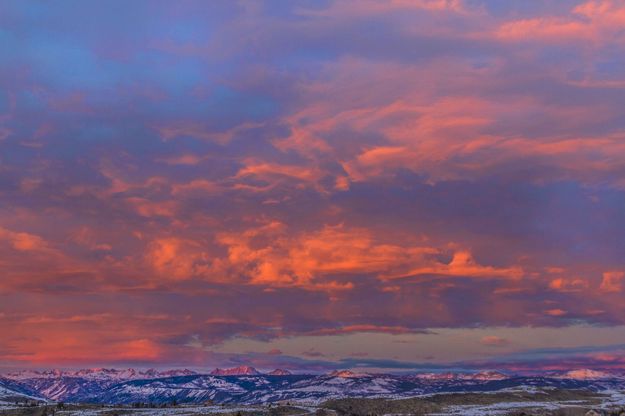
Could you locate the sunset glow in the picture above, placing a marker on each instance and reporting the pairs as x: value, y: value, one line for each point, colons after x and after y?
x: 312, y: 185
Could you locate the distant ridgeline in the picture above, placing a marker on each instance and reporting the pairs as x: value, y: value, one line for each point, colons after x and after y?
x: 246, y: 385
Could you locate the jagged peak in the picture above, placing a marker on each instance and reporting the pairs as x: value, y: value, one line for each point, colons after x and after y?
x: 279, y: 372
x: 98, y: 373
x: 243, y: 370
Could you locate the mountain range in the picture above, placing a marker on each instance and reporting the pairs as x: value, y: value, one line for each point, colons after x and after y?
x: 246, y: 385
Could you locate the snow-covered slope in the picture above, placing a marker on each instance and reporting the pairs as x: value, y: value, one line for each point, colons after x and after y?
x: 12, y: 391
x: 255, y: 389
x: 336, y: 385
x: 87, y: 384
x: 109, y: 374
x: 78, y: 385
x: 482, y: 375
x: 246, y: 385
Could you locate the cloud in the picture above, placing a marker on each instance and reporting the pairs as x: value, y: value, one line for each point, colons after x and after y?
x: 594, y: 20
x: 24, y: 241
x: 218, y: 171
x: 270, y: 255
x: 564, y: 284
x: 177, y: 259
x: 394, y: 330
x: 612, y: 281
x: 494, y: 341
x: 313, y: 353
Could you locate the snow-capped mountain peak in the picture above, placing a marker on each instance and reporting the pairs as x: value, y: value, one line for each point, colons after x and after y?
x: 487, y: 375
x: 174, y: 373
x: 585, y: 374
x: 100, y: 385
x: 104, y: 374
x: 481, y: 376
x: 279, y: 372
x: 243, y: 370
x: 436, y: 376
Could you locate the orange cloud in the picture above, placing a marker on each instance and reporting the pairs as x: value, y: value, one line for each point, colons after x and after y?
x: 279, y: 259
x: 148, y: 208
x: 489, y: 146
x: 568, y: 284
x: 88, y: 237
x: 556, y: 312
x: 28, y: 260
x: 68, y: 349
x: 23, y: 241
x: 612, y: 281
x: 178, y: 259
x: 550, y: 28
x: 269, y: 255
x: 494, y: 341
x: 443, y: 136
x: 595, y: 20
x: 463, y: 264
x: 63, y: 339
x: 273, y: 174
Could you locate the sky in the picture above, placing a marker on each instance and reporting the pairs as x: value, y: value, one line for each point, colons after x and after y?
x: 379, y: 185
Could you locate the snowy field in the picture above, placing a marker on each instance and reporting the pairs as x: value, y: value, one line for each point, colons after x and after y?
x: 616, y: 400
x: 173, y: 411
x: 540, y: 405
x: 505, y: 408
x: 7, y: 409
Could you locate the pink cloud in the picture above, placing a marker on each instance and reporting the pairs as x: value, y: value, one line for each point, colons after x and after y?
x: 494, y: 341
x: 612, y: 281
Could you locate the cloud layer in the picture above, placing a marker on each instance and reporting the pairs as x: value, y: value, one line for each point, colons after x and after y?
x: 174, y: 176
